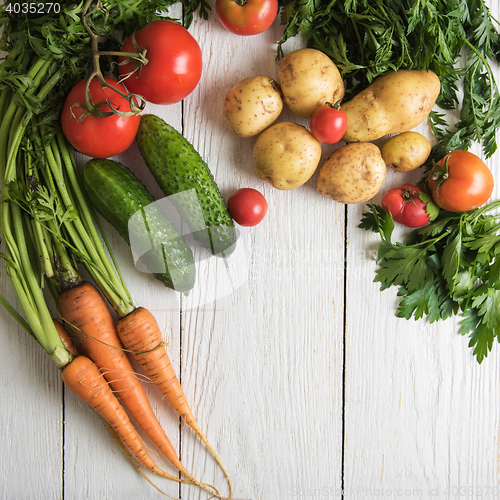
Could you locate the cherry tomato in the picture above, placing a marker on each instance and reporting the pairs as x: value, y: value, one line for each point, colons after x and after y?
x: 461, y: 181
x: 93, y: 136
x: 174, y: 64
x: 405, y: 205
x: 246, y: 17
x: 247, y: 206
x: 328, y: 123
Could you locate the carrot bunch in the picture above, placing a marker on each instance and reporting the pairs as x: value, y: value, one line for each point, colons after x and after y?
x: 49, y: 230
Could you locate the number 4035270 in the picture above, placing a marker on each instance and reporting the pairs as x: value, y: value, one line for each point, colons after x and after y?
x: 33, y: 8
x: 472, y: 492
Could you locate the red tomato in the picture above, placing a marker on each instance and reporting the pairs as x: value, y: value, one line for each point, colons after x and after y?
x: 247, y: 206
x: 99, y: 137
x: 174, y: 63
x: 328, y: 123
x: 246, y: 17
x: 461, y: 181
x: 405, y: 205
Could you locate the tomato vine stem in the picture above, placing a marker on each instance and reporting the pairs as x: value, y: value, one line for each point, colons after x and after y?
x: 137, y: 102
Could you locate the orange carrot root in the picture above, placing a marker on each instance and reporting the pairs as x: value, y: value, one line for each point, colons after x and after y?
x: 83, y: 377
x: 141, y: 335
x: 66, y: 337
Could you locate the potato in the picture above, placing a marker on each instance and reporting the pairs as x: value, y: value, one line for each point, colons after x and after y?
x: 309, y: 78
x: 286, y: 155
x: 252, y: 105
x: 394, y: 103
x: 353, y: 173
x: 406, y: 151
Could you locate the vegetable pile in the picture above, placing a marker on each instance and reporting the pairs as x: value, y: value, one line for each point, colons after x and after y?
x: 448, y: 263
x: 286, y: 154
x: 393, y: 61
x: 449, y: 266
x: 49, y: 230
x: 457, y: 39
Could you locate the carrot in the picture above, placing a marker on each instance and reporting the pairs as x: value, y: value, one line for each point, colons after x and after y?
x: 84, y: 310
x: 83, y: 377
x: 66, y: 337
x: 141, y: 335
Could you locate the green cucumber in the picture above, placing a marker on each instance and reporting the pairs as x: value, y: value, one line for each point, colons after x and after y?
x: 184, y: 176
x: 127, y: 205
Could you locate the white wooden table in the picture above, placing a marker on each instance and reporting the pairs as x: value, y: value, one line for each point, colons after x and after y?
x: 299, y: 372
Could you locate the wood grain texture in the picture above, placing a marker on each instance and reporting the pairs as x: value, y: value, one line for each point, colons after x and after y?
x: 31, y: 409
x: 294, y: 363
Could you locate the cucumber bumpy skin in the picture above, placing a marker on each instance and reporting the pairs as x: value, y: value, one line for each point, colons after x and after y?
x: 179, y: 170
x: 117, y: 195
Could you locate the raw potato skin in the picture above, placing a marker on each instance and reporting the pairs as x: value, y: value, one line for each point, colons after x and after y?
x: 252, y: 105
x: 308, y: 79
x: 286, y: 155
x: 394, y: 103
x: 406, y: 151
x: 353, y: 173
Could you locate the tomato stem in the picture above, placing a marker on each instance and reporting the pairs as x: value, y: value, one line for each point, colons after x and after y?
x: 335, y: 105
x: 439, y: 173
x: 138, y: 58
x: 408, y: 195
x: 137, y: 102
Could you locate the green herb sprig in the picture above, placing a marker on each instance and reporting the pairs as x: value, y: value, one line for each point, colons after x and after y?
x: 457, y: 39
x: 449, y: 267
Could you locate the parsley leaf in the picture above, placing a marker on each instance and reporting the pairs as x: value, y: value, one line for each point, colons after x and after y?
x: 403, y: 265
x: 452, y: 256
x: 378, y: 220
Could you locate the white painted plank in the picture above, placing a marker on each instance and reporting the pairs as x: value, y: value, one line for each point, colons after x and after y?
x: 30, y: 412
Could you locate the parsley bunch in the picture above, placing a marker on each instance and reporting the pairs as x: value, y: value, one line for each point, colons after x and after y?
x: 457, y: 39
x: 446, y: 268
